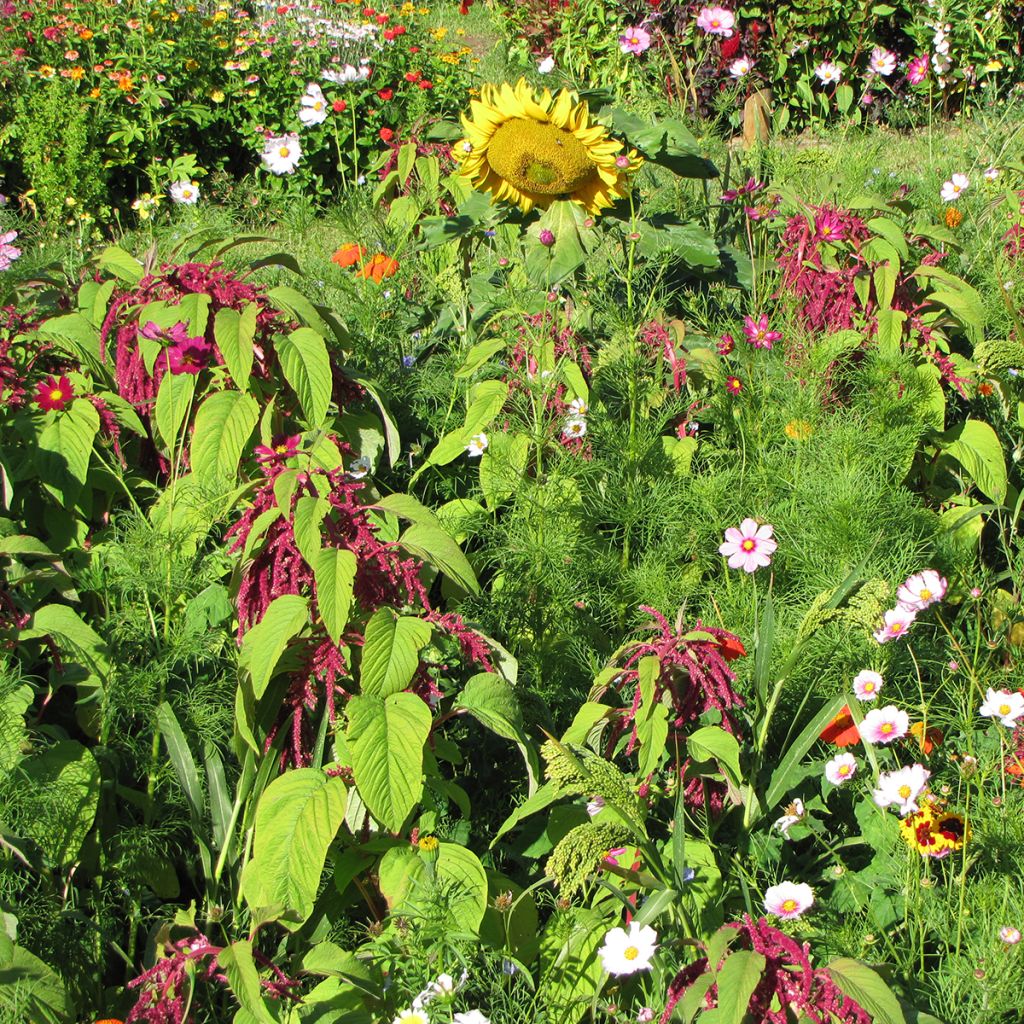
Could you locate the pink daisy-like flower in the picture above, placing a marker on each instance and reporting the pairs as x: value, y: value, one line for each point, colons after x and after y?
x: 897, y: 621
x: 917, y: 70
x: 716, y: 21
x: 748, y: 546
x: 1009, y: 935
x: 884, y: 725
x: 922, y: 589
x: 788, y: 900
x: 866, y: 685
x: 8, y: 253
x: 882, y: 61
x: 902, y: 788
x: 829, y: 227
x: 841, y: 769
x: 757, y: 332
x: 634, y: 40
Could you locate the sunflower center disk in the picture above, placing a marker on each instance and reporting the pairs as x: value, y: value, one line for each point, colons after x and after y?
x: 540, y: 158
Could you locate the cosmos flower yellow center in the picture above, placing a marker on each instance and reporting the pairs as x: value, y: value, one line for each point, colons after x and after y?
x: 284, y: 151
x: 789, y: 906
x: 905, y: 791
x: 844, y: 769
x: 925, y: 595
x: 748, y: 545
x: 869, y: 687
x: 540, y: 157
x: 887, y: 728
x: 1004, y: 709
x: 631, y: 952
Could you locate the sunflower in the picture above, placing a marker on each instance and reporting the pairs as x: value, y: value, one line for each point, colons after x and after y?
x: 532, y: 151
x: 933, y: 832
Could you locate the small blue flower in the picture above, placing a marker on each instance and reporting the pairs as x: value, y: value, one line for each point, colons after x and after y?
x: 688, y: 874
x: 490, y: 232
x: 408, y: 362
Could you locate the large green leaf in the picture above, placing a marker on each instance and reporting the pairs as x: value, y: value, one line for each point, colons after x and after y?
x: 66, y: 627
x: 975, y: 445
x: 385, y: 739
x: 234, y: 333
x: 297, y: 818
x: 67, y: 779
x: 737, y: 979
x: 64, y: 450
x: 335, y: 573
x: 570, y: 967
x: 867, y: 989
x: 488, y: 400
x: 391, y: 652
x: 31, y: 992
x: 13, y: 706
x: 264, y: 644
x: 434, y: 544
x: 224, y: 424
x: 493, y: 702
x: 458, y: 874
x: 713, y: 743
x: 307, y: 368
x: 173, y: 401
x: 244, y: 979
x: 309, y: 515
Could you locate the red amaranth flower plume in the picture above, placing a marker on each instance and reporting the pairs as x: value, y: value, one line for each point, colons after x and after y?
x: 694, y: 671
x: 788, y: 980
x: 166, y: 988
x: 384, y: 578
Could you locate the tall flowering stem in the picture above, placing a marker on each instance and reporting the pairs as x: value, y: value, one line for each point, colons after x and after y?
x: 788, y: 980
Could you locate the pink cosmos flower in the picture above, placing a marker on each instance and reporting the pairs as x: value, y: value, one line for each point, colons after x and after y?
x: 741, y: 67
x: 716, y: 21
x: 749, y: 546
x: 866, y: 685
x: 897, y: 621
x: 1009, y: 935
x: 917, y: 70
x: 951, y: 190
x: 922, y: 589
x: 788, y: 900
x: 884, y: 725
x: 8, y: 253
x: 902, y: 788
x: 841, y: 769
x: 991, y: 174
x: 882, y: 61
x: 634, y: 40
x: 757, y: 332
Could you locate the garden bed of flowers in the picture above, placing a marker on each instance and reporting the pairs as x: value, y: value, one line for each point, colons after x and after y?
x: 497, y: 527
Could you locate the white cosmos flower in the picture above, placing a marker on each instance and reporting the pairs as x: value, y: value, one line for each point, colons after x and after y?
x: 896, y: 623
x: 358, y: 468
x: 282, y: 153
x: 866, y: 685
x: 546, y: 66
x: 841, y: 769
x: 1006, y: 705
x: 628, y: 952
x: 574, y: 427
x: 579, y: 407
x: 992, y: 174
x: 343, y: 76
x: 740, y: 67
x: 952, y: 189
x: 470, y: 1017
x: 411, y: 1017
x: 794, y: 814
x: 185, y: 193
x: 882, y: 62
x: 788, y: 900
x: 313, y: 106
x: 828, y: 73
x: 902, y: 788
x: 477, y: 445
x: 922, y: 589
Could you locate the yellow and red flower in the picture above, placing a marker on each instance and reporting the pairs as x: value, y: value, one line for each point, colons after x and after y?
x: 53, y: 394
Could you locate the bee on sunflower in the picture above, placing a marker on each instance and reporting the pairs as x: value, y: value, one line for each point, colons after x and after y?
x: 531, y: 150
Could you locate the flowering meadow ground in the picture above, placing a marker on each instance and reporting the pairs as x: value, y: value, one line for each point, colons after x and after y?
x: 511, y: 514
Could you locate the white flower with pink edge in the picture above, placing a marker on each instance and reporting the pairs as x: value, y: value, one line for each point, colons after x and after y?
x: 748, y: 547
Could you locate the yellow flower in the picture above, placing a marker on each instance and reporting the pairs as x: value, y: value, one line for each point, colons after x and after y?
x: 191, y: 64
x: 798, y: 430
x: 439, y: 33
x: 532, y: 150
x: 217, y: 96
x: 993, y: 65
x: 406, y: 9
x: 46, y: 71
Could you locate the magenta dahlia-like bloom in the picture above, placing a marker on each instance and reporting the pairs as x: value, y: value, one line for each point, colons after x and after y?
x: 748, y: 547
x: 757, y: 332
x: 634, y: 40
x: 189, y: 356
x: 716, y: 21
x: 917, y: 70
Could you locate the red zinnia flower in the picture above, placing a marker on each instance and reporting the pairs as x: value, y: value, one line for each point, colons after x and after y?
x: 731, y: 647
x: 386, y: 134
x: 386, y: 94
x: 842, y: 730
x: 339, y: 106
x: 54, y: 394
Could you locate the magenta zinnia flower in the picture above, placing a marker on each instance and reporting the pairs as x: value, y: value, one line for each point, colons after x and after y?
x: 634, y: 40
x: 748, y: 546
x: 757, y: 332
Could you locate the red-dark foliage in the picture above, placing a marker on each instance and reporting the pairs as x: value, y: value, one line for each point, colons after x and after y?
x: 788, y: 978
x: 12, y: 381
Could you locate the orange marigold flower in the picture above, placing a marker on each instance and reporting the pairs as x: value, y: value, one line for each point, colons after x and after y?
x: 379, y: 267
x: 842, y: 730
x: 348, y: 254
x: 985, y: 389
x: 954, y: 218
x: 798, y: 430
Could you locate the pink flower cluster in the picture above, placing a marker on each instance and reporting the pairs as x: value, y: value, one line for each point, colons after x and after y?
x: 915, y: 594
